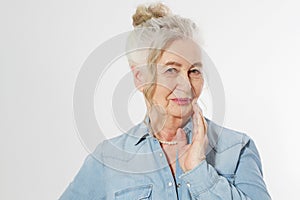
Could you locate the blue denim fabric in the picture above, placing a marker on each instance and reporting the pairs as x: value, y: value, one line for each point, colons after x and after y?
x: 133, y: 166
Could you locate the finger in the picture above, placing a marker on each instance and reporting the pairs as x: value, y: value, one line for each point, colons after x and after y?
x: 196, y: 119
x: 194, y: 101
x: 204, y: 123
x: 201, y: 116
x: 198, y: 112
x: 182, y: 145
x: 181, y: 137
x: 199, y: 124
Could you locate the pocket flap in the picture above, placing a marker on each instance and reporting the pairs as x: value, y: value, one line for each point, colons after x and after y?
x: 135, y: 193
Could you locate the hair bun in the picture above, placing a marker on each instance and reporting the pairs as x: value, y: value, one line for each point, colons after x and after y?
x: 144, y: 13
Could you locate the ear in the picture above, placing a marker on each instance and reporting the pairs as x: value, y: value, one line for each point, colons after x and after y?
x: 139, y: 77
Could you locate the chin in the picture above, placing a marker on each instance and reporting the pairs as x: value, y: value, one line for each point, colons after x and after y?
x: 181, y: 112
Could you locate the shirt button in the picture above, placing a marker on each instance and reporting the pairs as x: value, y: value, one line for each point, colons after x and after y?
x: 170, y: 184
x: 188, y: 184
x: 160, y: 154
x: 178, y: 185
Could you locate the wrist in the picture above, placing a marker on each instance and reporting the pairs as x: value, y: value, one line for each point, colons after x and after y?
x: 194, y: 164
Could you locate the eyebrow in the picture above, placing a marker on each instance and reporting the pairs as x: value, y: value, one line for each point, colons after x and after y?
x: 197, y: 64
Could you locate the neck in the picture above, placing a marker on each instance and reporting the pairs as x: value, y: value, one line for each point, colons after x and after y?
x: 165, y: 127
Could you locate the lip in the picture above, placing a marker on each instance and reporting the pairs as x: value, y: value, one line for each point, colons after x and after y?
x: 182, y: 101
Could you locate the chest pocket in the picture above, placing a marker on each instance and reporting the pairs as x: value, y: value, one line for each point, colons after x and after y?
x: 135, y: 193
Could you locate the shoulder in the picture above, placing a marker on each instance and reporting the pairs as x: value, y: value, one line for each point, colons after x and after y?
x: 229, y: 147
x: 123, y: 145
x: 222, y: 138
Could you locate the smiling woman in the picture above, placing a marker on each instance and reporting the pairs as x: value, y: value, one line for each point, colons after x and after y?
x: 179, y: 82
x: 176, y: 152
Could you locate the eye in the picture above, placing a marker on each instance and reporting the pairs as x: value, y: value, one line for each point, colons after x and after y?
x: 171, y: 70
x: 195, y: 73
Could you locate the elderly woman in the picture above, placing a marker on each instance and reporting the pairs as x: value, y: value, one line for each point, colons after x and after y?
x: 175, y: 153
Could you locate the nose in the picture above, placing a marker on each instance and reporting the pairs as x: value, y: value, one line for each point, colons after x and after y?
x: 183, y: 83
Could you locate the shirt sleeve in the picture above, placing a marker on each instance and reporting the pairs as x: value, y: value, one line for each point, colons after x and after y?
x: 85, y: 185
x: 204, y: 182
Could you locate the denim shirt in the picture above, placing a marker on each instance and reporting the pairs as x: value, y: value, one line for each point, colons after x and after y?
x: 133, y: 166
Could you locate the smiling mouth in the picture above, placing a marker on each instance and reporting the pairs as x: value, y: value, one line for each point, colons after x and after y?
x: 182, y: 101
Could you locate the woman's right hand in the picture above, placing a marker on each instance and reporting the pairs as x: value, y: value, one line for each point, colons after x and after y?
x: 193, y: 154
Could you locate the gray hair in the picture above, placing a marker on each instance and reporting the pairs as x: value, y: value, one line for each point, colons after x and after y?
x: 155, y: 29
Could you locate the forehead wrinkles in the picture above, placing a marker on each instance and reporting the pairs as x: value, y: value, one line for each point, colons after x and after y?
x: 186, y: 52
x: 172, y: 59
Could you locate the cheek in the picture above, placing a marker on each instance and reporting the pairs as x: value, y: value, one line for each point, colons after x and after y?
x: 162, y: 92
x: 197, y: 87
x: 167, y: 84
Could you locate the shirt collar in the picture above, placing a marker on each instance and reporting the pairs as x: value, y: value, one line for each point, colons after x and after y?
x: 144, y: 131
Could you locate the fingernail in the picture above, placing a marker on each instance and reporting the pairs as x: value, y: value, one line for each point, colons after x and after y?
x: 194, y: 101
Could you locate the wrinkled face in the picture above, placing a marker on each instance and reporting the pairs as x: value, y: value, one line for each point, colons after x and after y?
x: 179, y: 78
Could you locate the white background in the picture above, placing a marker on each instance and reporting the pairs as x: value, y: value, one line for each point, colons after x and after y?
x: 254, y: 44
